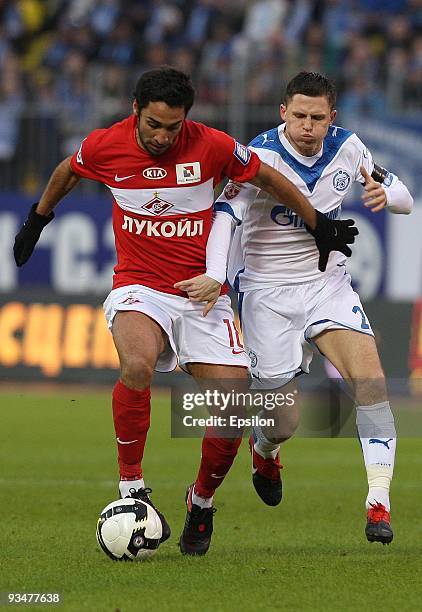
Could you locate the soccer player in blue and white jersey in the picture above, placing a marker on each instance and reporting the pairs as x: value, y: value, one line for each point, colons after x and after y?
x: 287, y: 302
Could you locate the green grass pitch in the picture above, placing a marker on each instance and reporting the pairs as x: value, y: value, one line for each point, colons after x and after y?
x: 58, y: 470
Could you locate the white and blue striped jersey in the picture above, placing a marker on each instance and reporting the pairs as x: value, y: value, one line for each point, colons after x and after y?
x: 271, y: 245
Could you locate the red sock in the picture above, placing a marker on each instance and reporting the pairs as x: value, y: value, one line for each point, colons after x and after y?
x: 131, y: 414
x: 217, y: 457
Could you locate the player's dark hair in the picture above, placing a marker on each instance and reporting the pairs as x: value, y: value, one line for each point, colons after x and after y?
x: 311, y: 84
x: 165, y: 84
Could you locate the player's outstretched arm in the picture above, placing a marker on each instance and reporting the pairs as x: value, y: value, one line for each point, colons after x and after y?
x: 284, y: 191
x: 207, y: 287
x: 61, y: 182
x: 41, y: 213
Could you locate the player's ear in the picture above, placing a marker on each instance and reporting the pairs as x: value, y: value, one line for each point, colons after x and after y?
x: 283, y: 110
x: 333, y: 115
x: 135, y: 108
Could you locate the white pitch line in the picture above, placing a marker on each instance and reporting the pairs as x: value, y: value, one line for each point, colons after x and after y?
x: 39, y: 482
x: 57, y: 482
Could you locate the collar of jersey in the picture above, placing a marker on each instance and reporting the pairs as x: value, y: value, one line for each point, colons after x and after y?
x: 310, y: 175
x: 302, y: 159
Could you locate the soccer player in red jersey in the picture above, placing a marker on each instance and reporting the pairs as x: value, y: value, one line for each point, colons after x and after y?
x: 161, y: 170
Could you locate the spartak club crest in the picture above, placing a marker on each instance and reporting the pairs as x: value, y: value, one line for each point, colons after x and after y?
x: 157, y: 206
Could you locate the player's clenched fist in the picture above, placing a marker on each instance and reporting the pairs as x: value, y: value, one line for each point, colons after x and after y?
x: 374, y: 196
x: 28, y: 235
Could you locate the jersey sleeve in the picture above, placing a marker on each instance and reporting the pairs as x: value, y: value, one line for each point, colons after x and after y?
x: 363, y: 158
x: 399, y: 200
x: 218, y: 246
x: 235, y: 161
x: 85, y: 162
x: 235, y: 198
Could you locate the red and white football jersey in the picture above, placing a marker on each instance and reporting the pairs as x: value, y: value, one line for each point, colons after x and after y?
x: 162, y: 205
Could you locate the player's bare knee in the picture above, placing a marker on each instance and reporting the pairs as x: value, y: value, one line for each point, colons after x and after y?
x: 369, y: 391
x: 285, y: 425
x: 136, y: 373
x: 286, y: 431
x: 280, y: 440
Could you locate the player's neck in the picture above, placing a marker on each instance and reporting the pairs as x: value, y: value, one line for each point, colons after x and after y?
x: 138, y: 139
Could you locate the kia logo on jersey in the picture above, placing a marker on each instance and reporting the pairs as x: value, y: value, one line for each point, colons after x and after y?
x: 188, y: 173
x: 154, y: 173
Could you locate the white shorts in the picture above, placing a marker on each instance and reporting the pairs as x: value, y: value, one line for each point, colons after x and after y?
x: 278, y: 323
x: 192, y: 338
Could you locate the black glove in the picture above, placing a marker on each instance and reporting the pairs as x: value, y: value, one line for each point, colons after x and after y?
x: 29, y: 234
x: 332, y: 235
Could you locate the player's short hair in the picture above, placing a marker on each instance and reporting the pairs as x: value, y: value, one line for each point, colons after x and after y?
x: 311, y: 84
x: 165, y: 84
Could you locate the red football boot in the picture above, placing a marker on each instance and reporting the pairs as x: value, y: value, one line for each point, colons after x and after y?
x: 266, y: 476
x: 378, y: 528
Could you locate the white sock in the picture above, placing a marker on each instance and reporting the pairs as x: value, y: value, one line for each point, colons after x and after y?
x: 263, y: 446
x: 378, y: 440
x: 202, y: 502
x: 125, y: 485
x: 379, y: 480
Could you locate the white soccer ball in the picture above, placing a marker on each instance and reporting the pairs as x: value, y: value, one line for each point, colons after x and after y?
x: 129, y: 529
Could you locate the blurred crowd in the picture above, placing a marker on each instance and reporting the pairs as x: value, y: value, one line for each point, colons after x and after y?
x: 71, y: 65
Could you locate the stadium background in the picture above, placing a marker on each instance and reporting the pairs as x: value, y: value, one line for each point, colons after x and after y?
x: 70, y: 66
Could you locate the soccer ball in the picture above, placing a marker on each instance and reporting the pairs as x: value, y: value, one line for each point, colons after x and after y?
x: 129, y: 529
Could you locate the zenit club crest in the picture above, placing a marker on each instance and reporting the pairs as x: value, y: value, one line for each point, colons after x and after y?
x: 341, y: 180
x: 253, y: 357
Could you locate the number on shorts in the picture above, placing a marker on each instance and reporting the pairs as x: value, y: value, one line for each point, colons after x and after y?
x: 231, y: 327
x: 358, y: 309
